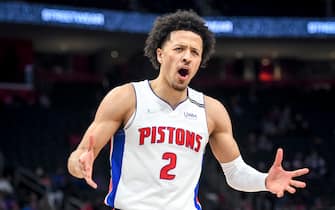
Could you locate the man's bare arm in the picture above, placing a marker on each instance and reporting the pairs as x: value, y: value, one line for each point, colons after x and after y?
x: 114, y: 110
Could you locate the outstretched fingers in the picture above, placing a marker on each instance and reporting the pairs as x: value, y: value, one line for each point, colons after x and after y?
x: 279, y: 158
x: 300, y: 172
x: 285, y: 179
x: 298, y: 184
x: 86, y: 163
x: 290, y: 189
x: 91, y: 183
x: 87, y: 174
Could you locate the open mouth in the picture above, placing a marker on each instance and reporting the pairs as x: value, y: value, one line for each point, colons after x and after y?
x: 183, y: 72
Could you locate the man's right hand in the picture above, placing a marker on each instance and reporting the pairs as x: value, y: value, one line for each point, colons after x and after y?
x: 86, y: 160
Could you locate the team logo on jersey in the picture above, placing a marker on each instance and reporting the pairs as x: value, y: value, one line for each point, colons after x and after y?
x: 190, y: 116
x: 170, y: 135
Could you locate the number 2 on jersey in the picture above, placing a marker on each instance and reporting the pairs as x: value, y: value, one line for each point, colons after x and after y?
x: 171, y: 165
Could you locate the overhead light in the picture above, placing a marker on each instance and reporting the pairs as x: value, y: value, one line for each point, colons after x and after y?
x: 114, y: 54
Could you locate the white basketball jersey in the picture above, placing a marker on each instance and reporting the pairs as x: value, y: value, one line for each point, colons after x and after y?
x: 156, y: 159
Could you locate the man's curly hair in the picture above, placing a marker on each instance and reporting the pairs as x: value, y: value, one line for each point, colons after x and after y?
x: 180, y: 20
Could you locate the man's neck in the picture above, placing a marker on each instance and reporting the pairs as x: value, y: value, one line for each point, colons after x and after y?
x: 167, y: 93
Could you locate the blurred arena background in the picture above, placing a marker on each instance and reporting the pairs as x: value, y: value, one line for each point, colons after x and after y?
x: 274, y: 69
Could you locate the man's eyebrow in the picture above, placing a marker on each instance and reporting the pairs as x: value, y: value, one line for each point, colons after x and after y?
x: 185, y: 45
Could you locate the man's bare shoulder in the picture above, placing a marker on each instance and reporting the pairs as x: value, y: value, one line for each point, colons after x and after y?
x: 121, y: 92
x: 217, y: 115
x: 118, y: 103
x: 213, y: 105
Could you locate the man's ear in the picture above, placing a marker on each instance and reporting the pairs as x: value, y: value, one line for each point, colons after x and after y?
x: 159, y: 55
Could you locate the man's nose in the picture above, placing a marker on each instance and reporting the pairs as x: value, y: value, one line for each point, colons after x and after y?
x: 187, y: 56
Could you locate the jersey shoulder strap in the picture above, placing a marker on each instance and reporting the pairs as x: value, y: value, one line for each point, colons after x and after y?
x: 196, y: 97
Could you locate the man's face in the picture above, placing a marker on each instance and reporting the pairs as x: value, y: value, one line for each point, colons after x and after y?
x: 180, y: 58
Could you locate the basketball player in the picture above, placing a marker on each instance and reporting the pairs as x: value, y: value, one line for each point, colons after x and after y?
x: 159, y: 129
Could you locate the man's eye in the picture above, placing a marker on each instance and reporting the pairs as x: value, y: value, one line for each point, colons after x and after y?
x: 195, y: 52
x: 178, y: 49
